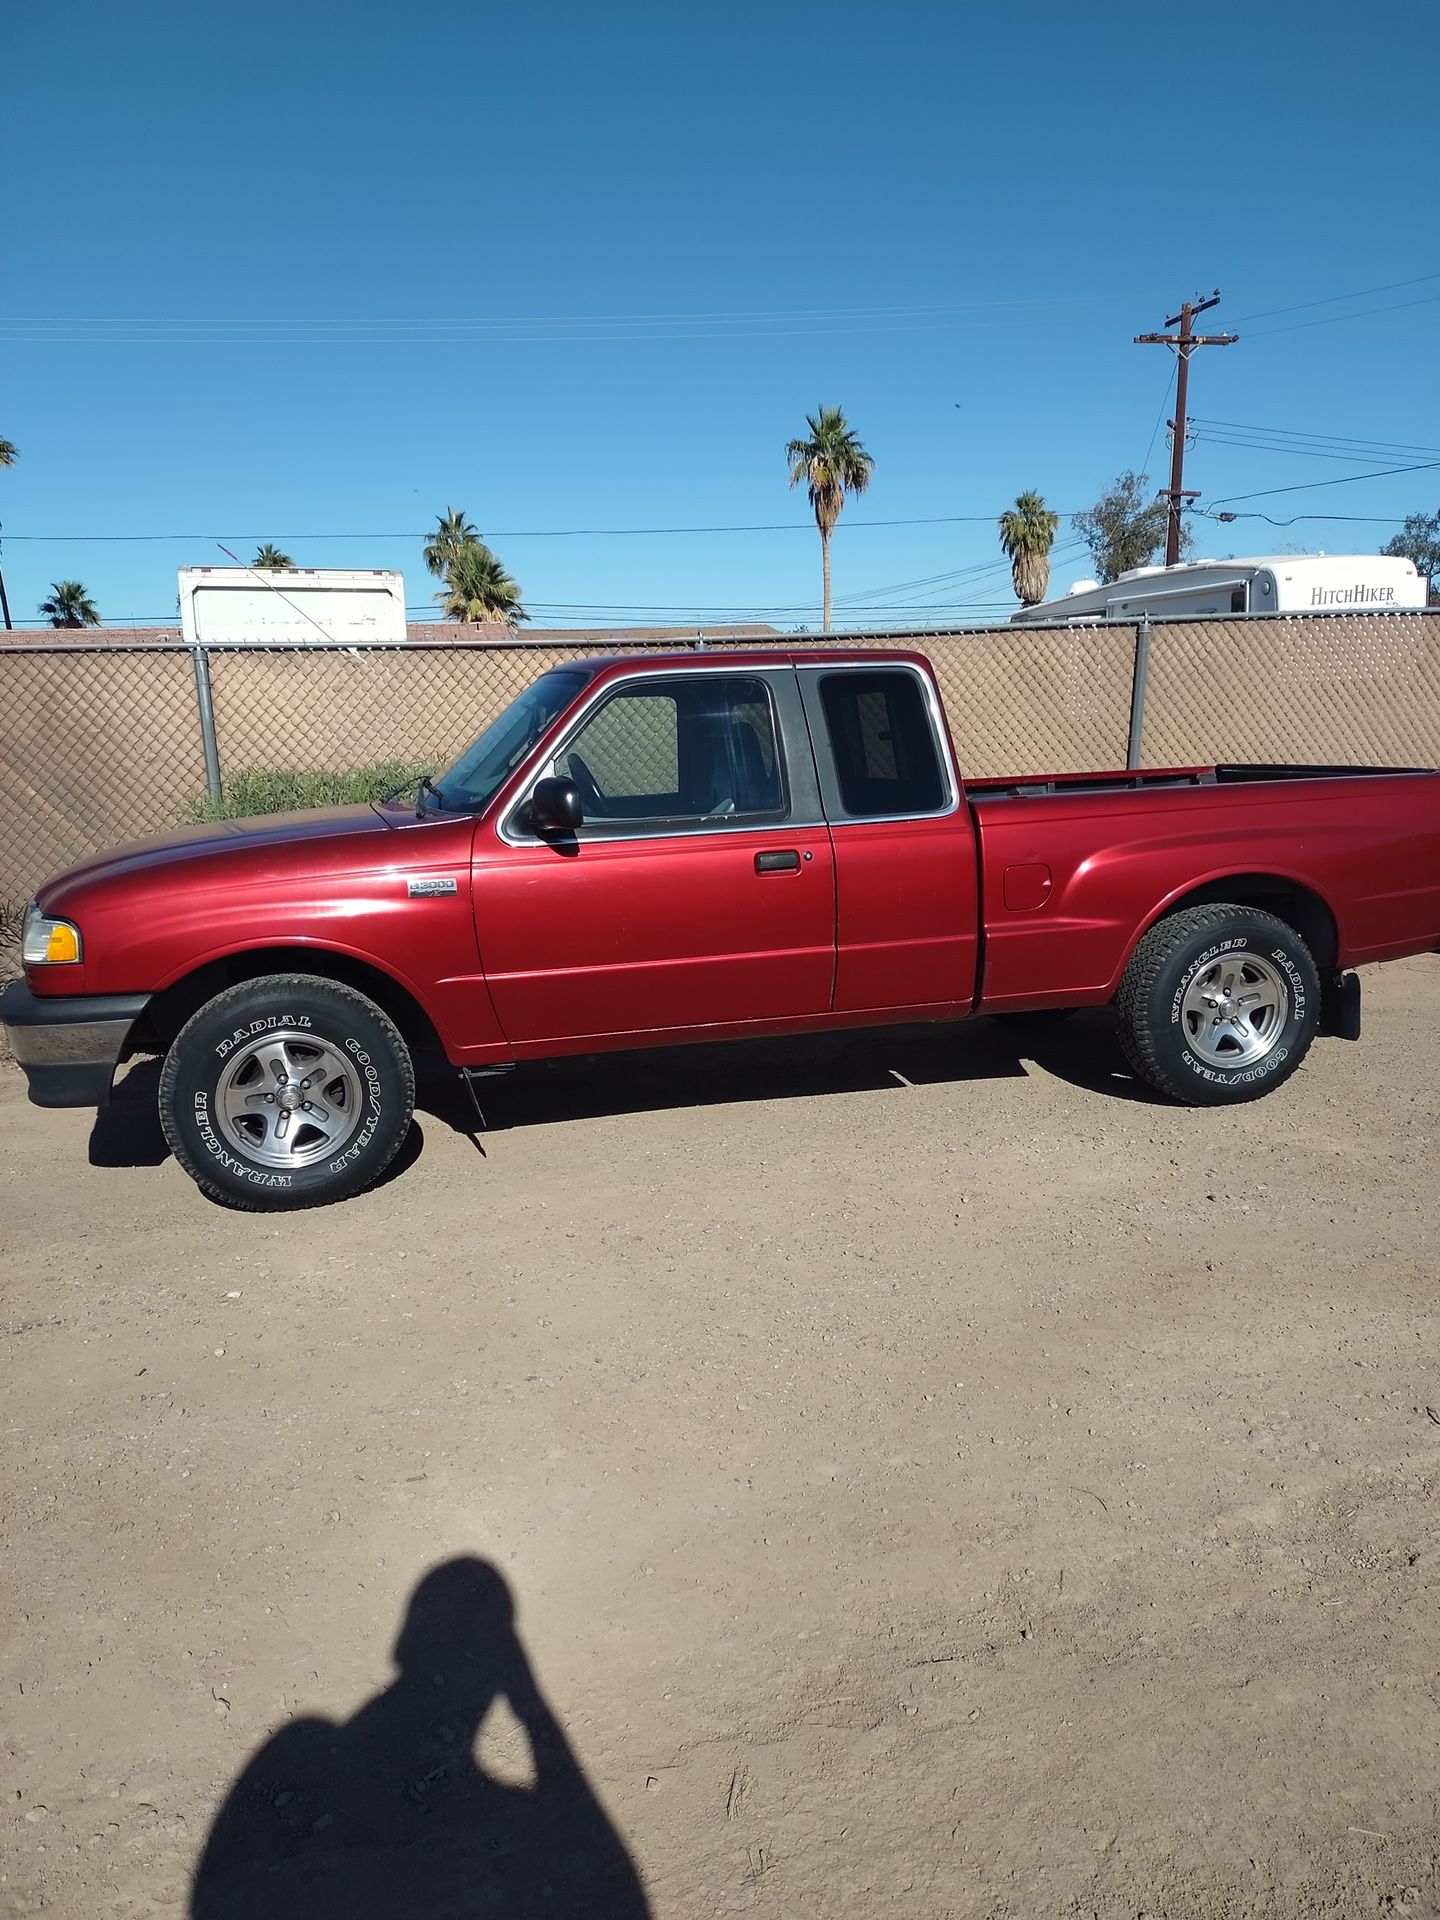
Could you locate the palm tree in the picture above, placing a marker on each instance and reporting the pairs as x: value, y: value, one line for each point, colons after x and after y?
x: 70, y: 605
x: 832, y: 463
x: 1027, y: 533
x: 269, y: 559
x: 452, y: 532
x: 477, y: 587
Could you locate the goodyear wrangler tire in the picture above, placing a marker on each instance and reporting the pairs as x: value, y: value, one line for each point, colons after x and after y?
x: 1218, y: 1004
x: 289, y: 1091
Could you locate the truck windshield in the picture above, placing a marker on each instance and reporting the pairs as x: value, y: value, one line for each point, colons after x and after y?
x: 480, y: 772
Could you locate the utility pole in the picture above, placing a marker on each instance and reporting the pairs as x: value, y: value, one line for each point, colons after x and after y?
x: 1184, y: 344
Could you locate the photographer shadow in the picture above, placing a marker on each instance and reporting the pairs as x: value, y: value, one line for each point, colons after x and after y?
x: 389, y: 1816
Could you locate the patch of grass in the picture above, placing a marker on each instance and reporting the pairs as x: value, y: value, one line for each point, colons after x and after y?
x: 256, y: 790
x: 11, y: 915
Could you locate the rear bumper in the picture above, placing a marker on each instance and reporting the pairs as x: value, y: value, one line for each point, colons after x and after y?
x: 68, y: 1046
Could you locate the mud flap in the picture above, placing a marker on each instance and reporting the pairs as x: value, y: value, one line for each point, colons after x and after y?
x: 1340, y: 1004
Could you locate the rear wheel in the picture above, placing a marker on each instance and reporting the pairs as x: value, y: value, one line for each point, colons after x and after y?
x: 284, y: 1092
x: 1218, y: 1004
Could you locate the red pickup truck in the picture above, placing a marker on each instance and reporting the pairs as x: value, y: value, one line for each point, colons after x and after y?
x: 693, y: 847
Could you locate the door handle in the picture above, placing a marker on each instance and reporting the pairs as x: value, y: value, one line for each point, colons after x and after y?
x: 785, y: 862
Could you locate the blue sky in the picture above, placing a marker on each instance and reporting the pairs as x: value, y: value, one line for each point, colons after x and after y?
x: 290, y: 271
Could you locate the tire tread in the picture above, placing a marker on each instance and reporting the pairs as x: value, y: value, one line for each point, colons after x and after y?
x: 365, y: 1173
x: 1138, y: 1004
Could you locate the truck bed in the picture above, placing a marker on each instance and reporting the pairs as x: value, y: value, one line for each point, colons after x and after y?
x: 1140, y: 780
x: 1074, y: 868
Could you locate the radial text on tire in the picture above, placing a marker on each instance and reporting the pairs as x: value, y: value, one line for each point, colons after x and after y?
x: 1218, y: 1004
x: 287, y: 1091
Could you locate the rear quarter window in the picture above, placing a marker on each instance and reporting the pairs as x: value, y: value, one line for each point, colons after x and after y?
x: 887, y: 760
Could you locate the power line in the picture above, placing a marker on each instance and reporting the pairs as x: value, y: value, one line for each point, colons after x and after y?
x: 165, y: 326
x: 462, y: 338
x: 712, y: 316
x: 576, y: 612
x: 886, y: 598
x: 1330, y: 300
x: 1144, y: 466
x: 976, y: 570
x: 882, y: 617
x: 1333, y: 319
x: 1352, y: 519
x: 1349, y: 454
x: 1297, y: 433
x: 1384, y: 473
x: 297, y: 330
x: 528, y: 533
x: 850, y: 614
x: 532, y: 320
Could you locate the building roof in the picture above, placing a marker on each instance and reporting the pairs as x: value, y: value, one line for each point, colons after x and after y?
x: 91, y: 636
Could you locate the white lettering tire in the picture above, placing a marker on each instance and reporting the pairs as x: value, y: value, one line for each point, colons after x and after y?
x: 288, y: 1091
x: 1218, y: 1004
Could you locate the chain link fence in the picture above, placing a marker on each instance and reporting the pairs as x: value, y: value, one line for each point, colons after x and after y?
x: 1314, y: 689
x: 98, y: 745
x: 103, y: 743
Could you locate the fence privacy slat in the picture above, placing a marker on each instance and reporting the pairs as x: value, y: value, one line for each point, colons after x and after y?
x: 1360, y: 690
x: 103, y: 743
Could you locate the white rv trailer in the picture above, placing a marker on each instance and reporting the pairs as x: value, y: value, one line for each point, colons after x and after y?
x: 1271, y: 583
x: 235, y: 605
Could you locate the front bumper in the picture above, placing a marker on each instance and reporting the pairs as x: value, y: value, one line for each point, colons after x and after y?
x: 68, y: 1045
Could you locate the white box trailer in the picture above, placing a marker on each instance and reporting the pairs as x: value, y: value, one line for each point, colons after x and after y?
x: 236, y: 606
x: 1271, y: 583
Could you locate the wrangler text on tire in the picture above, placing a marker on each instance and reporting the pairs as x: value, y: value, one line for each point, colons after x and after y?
x: 1218, y: 1004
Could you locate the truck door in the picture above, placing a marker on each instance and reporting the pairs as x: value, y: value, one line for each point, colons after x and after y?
x: 699, y: 890
x: 906, y: 885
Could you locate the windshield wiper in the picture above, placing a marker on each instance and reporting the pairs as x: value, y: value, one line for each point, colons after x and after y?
x: 423, y: 784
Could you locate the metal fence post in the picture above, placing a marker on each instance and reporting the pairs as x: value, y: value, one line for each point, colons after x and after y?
x: 206, y: 704
x: 1137, y: 692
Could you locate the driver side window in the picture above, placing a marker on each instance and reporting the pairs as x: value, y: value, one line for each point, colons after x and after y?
x: 699, y: 750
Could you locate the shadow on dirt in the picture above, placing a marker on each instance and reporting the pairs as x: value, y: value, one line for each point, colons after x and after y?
x: 390, y: 1815
x: 128, y: 1133
x: 1081, y: 1051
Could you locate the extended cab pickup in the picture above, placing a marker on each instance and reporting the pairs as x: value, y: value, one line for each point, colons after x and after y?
x: 697, y: 846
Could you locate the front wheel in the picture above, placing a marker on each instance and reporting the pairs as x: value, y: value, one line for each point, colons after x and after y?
x: 1218, y: 1004
x: 284, y: 1092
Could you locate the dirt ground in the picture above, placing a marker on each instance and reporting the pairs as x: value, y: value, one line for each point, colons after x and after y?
x: 932, y: 1478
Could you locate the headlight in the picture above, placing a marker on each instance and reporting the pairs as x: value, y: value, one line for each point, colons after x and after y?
x: 48, y: 942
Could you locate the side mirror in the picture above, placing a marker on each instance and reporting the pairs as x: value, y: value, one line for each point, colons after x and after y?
x: 555, y: 806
